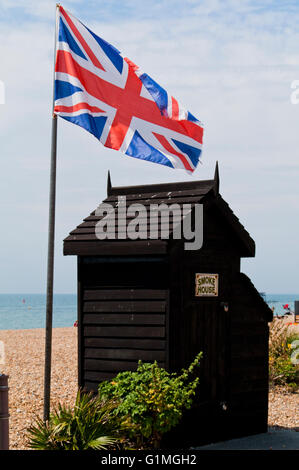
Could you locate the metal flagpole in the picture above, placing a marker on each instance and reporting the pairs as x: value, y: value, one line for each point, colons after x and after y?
x: 51, y: 239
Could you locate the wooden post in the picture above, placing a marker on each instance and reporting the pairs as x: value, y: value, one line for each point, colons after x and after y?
x: 296, y: 311
x: 4, y: 415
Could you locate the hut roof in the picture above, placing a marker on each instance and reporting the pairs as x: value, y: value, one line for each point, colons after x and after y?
x: 249, y: 287
x: 83, y: 239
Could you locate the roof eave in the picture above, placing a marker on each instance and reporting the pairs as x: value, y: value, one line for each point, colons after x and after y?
x: 248, y: 244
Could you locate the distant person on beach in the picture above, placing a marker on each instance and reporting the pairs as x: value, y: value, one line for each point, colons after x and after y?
x: 287, y: 308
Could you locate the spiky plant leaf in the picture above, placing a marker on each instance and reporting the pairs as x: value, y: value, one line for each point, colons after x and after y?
x: 90, y: 425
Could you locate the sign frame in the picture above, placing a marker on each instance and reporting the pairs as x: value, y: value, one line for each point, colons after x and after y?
x: 213, y: 293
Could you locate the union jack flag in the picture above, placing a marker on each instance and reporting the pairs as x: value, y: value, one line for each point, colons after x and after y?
x: 125, y: 109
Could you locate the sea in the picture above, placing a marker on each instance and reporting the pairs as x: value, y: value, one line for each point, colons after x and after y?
x: 28, y: 311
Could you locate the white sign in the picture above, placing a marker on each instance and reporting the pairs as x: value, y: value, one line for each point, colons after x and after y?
x: 206, y: 285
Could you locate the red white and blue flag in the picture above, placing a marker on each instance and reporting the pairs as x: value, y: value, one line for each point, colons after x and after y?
x: 125, y: 109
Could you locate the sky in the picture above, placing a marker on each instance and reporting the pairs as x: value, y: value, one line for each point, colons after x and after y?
x: 230, y: 63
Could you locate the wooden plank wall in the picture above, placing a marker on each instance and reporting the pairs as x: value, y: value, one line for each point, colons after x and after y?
x: 119, y: 327
x: 248, y: 360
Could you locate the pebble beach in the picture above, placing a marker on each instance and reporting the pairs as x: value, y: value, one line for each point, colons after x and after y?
x: 24, y: 363
x: 24, y: 351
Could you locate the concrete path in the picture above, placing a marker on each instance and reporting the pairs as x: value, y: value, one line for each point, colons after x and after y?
x: 272, y: 440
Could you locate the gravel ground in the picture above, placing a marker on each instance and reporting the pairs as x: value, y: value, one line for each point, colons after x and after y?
x: 24, y: 351
x: 25, y: 366
x: 283, y: 408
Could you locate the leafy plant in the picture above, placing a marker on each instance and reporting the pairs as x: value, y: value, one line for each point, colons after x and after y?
x: 282, y: 371
x: 151, y: 400
x: 293, y: 387
x: 90, y: 425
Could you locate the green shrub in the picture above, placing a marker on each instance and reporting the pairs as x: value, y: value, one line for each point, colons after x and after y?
x: 152, y: 400
x: 90, y: 425
x: 282, y: 370
x: 293, y: 387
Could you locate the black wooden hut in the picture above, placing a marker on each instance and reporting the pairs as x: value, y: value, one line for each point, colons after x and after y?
x: 147, y: 299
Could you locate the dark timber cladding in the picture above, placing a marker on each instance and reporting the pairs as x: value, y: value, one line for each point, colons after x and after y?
x: 152, y: 300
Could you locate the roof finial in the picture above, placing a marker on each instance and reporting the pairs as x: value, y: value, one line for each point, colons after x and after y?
x: 109, y: 185
x: 216, y: 179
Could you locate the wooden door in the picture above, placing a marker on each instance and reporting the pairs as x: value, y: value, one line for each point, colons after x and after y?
x: 210, y: 335
x: 205, y: 328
